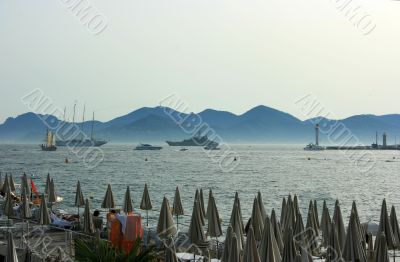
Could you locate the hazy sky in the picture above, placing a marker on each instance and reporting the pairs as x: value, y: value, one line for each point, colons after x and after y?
x: 223, y: 54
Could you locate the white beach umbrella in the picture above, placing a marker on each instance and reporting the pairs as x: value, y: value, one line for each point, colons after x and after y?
x: 214, y: 224
x: 165, y: 227
x: 236, y: 219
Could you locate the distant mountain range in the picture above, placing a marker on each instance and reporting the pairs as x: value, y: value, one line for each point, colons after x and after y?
x: 260, y: 124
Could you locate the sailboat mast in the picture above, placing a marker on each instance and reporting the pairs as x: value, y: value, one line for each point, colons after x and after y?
x: 73, y: 116
x: 91, y: 133
x: 83, y: 121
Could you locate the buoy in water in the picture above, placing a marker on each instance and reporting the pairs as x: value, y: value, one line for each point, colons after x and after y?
x: 145, y: 159
x: 66, y: 161
x: 309, y: 158
x: 235, y: 159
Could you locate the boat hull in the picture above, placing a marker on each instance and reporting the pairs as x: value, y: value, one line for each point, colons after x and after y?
x: 48, y: 148
x: 81, y: 143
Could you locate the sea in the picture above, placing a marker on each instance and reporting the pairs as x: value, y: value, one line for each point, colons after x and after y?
x: 366, y: 177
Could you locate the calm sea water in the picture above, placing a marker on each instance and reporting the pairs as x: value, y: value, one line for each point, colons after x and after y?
x: 274, y: 170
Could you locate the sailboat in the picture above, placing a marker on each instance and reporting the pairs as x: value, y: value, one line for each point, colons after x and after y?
x: 83, y: 141
x: 49, y: 146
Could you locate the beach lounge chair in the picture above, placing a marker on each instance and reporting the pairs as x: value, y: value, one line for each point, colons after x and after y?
x: 61, y: 223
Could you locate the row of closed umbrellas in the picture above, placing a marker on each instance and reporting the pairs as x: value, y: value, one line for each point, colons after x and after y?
x: 265, y: 238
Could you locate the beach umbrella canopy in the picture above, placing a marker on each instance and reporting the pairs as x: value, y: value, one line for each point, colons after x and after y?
x: 214, y: 223
x: 25, y: 209
x: 227, y: 244
x: 261, y: 205
x: 395, y: 225
x: 290, y: 216
x: 250, y: 253
x: 325, y: 224
x: 299, y: 226
x: 316, y: 213
x: 338, y: 222
x: 311, y: 229
x: 52, y: 197
x: 47, y: 186
x: 311, y: 219
x: 88, y: 225
x: 170, y: 253
x: 289, y: 251
x: 165, y: 227
x: 300, y: 239
x: 6, y: 185
x: 128, y: 206
x: 357, y: 218
x: 11, y: 251
x: 277, y: 230
x: 25, y: 185
x: 334, y: 250
x: 382, y: 250
x: 44, y: 217
x: 203, y: 210
x: 234, y: 250
x: 79, y: 199
x: 256, y: 220
x: 196, y: 233
x: 108, y: 201
x: 197, y: 201
x: 385, y: 227
x: 353, y: 249
x: 177, y: 208
x: 236, y: 214
x: 296, y: 204
x: 145, y: 204
x: 283, y: 212
x: 371, y: 250
x: 1, y: 181
x: 268, y: 249
x: 8, y: 209
x: 12, y: 183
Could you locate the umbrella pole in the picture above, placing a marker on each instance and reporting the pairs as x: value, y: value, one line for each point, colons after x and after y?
x: 147, y: 218
x: 177, y: 222
x: 216, y: 238
x: 78, y: 215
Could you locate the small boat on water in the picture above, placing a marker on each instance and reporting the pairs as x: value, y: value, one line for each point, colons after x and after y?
x: 183, y: 149
x: 212, y: 147
x: 50, y: 142
x: 147, y: 147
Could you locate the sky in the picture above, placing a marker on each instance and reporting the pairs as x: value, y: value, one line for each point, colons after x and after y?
x: 224, y: 54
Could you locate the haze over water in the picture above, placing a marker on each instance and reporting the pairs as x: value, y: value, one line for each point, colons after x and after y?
x: 274, y: 170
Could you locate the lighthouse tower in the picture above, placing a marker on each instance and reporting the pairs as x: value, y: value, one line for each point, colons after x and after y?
x: 317, y: 134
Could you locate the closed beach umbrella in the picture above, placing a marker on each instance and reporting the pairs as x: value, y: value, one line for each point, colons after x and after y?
x: 236, y: 214
x: 256, y: 220
x: 52, y: 197
x: 47, y: 186
x: 79, y: 199
x: 311, y: 218
x: 214, y: 223
x: 357, y: 218
x: 177, y: 208
x: 395, y: 225
x: 44, y: 217
x: 11, y: 251
x: 8, y: 209
x: 334, y: 250
x: 311, y: 229
x: 299, y: 226
x: 108, y: 201
x: 277, y: 230
x: 353, y: 249
x: 325, y: 224
x: 316, y: 213
x: 250, y: 253
x: 338, y: 221
x: 290, y: 216
x: 382, y: 250
x: 12, y: 184
x: 203, y: 210
x: 170, y: 253
x: 234, y: 251
x: 1, y: 181
x: 227, y: 244
x: 25, y: 209
x: 128, y: 206
x: 145, y: 204
x: 268, y: 249
x: 283, y: 212
x: 25, y: 185
x: 261, y: 205
x: 371, y: 250
x: 300, y: 239
x: 385, y: 227
x: 296, y: 204
x: 165, y: 227
x: 196, y: 233
x: 289, y: 251
x: 6, y: 185
x: 210, y: 195
x: 88, y: 225
x: 197, y: 201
